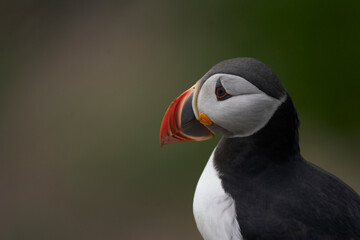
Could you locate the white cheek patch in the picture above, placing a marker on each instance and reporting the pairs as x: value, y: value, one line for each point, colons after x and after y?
x: 235, y: 85
x: 246, y: 112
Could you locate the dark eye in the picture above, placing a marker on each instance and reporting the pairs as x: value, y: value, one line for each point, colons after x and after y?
x: 220, y: 91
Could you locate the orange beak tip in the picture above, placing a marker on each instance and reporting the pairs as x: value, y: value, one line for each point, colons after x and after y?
x: 179, y: 122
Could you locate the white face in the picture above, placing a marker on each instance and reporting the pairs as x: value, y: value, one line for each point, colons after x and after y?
x: 244, y: 113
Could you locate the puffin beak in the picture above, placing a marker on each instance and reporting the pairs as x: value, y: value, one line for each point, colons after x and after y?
x: 180, y: 122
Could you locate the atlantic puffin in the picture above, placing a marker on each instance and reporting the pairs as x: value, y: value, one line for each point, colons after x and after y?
x: 256, y: 184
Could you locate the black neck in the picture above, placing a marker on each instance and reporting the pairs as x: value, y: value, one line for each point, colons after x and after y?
x: 277, y: 142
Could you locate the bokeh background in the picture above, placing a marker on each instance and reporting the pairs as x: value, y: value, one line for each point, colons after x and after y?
x: 84, y: 86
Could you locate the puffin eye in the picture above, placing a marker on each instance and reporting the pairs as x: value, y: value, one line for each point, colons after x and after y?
x: 220, y: 92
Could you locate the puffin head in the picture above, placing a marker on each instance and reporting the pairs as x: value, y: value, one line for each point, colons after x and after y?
x: 235, y: 98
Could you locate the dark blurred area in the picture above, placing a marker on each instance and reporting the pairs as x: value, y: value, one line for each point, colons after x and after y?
x: 84, y: 86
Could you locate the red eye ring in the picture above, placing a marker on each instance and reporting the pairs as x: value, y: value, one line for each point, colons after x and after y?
x: 220, y: 92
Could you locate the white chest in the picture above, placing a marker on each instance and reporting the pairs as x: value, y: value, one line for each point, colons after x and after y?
x: 214, y: 210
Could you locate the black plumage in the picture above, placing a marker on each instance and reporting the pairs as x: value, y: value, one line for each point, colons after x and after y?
x: 253, y: 71
x: 277, y: 193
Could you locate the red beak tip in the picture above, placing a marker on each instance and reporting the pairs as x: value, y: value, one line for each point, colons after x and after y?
x: 171, y: 129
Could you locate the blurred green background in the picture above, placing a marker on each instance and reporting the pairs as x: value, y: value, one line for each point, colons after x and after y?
x: 84, y: 86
